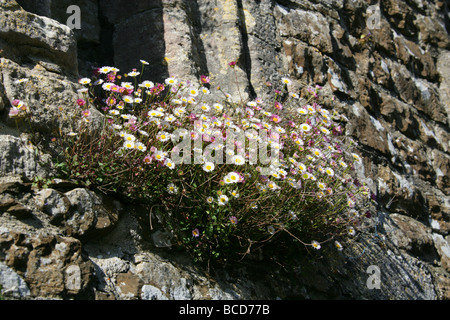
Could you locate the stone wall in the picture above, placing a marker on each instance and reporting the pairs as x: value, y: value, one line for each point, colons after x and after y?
x: 388, y: 64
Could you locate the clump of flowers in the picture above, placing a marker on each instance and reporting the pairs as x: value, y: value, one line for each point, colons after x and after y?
x: 226, y: 176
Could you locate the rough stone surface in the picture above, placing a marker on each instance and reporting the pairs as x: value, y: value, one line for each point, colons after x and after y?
x: 30, y: 35
x: 12, y: 284
x: 18, y: 158
x: 388, y: 66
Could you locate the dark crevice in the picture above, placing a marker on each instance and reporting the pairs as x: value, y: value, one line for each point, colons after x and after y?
x: 198, y: 51
x: 245, y: 59
x: 106, y: 38
x: 92, y: 55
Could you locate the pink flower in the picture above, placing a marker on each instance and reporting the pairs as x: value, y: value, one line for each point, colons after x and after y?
x: 111, y: 77
x: 111, y: 101
x: 232, y: 64
x: 194, y: 135
x: 233, y: 220
x: 116, y: 88
x: 278, y: 105
x: 275, y: 118
x: 148, y: 159
x: 13, y: 112
x: 195, y: 233
x: 81, y: 102
x: 86, y: 113
x: 96, y: 72
x: 204, y: 79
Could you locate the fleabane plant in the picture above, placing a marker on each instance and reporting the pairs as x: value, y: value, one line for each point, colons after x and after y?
x: 225, y: 177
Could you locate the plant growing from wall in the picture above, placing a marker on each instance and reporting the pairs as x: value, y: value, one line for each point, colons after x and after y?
x: 225, y: 177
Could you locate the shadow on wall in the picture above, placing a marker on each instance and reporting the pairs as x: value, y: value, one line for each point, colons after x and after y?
x: 138, y: 34
x: 115, y: 33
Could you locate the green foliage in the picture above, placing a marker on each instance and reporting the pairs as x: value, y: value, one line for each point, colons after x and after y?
x: 219, y: 211
x: 41, y: 183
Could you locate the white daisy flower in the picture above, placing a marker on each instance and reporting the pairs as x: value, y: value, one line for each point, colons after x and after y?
x: 325, y: 131
x: 356, y: 157
x: 128, y: 99
x: 208, y: 166
x: 84, y: 81
x: 170, y: 118
x: 155, y: 113
x: 315, y: 244
x: 285, y: 80
x: 218, y: 106
x: 223, y: 200
x: 316, y: 152
x: 329, y: 172
x: 129, y: 145
x: 204, y: 90
x: 127, y: 85
x: 160, y: 155
x: 321, y: 185
x: 134, y: 74
x: 351, y: 231
x: 272, y: 186
x: 140, y: 146
x: 306, y: 175
x: 129, y: 137
x: 171, y: 81
x: 170, y: 164
x: 271, y: 229
x: 232, y: 177
x: 238, y: 160
x: 302, y: 111
x: 107, y: 86
x: 205, y: 107
x: 305, y: 127
x: 311, y: 109
x: 147, y: 84
x: 105, y: 70
x: 301, y: 166
x: 193, y: 92
x: 172, y: 188
x: 163, y: 136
